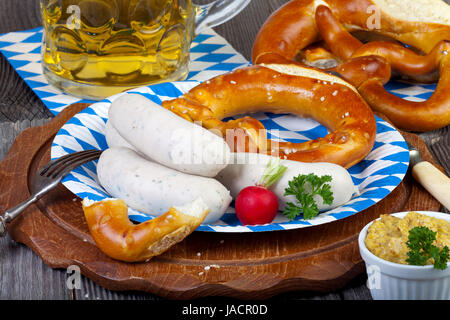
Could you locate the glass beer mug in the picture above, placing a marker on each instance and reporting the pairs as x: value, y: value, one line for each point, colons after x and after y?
x: 96, y: 48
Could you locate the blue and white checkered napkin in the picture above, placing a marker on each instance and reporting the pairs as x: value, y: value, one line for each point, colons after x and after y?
x: 211, y: 55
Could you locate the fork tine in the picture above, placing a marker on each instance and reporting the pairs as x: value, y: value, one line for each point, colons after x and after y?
x: 70, y: 166
x: 47, y: 170
x: 61, y: 162
x: 72, y: 163
x: 55, y: 162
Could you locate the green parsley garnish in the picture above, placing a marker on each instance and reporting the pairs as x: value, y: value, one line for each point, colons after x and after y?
x: 304, y: 188
x: 421, y: 248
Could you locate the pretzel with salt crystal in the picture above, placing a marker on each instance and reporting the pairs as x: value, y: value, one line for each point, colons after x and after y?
x: 431, y: 114
x: 300, y: 23
x: 283, y: 88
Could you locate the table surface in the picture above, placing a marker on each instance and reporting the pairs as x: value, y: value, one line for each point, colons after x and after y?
x: 23, y: 274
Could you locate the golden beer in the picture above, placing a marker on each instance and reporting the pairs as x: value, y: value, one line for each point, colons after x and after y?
x: 97, y: 48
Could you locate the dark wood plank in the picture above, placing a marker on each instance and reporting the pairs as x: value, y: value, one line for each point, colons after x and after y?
x: 242, y: 29
x: 23, y: 273
x: 91, y: 291
x: 356, y: 289
x: 305, y: 295
x: 438, y: 142
x: 17, y: 100
x: 19, y: 15
x: 25, y: 276
x: 10, y: 130
x: 275, y: 4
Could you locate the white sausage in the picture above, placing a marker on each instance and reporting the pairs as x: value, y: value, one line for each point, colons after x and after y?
x: 168, y: 139
x: 246, y: 169
x: 152, y: 188
x: 113, y: 137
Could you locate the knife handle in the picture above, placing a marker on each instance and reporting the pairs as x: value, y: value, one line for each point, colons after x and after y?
x: 434, y: 181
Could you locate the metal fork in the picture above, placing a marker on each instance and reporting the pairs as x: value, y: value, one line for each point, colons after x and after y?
x: 46, y: 179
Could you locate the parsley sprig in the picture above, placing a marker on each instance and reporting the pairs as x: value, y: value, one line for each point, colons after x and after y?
x: 421, y: 248
x: 304, y: 188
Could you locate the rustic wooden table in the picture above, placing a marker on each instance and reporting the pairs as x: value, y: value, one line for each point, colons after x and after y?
x: 23, y: 274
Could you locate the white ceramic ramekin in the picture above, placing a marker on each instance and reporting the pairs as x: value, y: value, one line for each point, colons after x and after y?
x: 394, y: 281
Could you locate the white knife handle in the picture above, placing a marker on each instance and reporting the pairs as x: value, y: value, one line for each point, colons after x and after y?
x: 434, y: 181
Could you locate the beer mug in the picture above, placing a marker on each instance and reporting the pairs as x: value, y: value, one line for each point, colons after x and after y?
x: 96, y: 48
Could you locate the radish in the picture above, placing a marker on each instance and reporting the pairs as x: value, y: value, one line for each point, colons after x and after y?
x: 257, y: 204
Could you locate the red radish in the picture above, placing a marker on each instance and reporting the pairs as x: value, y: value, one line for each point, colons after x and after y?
x: 257, y: 204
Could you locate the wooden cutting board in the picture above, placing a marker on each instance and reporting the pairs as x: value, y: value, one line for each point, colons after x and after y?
x: 248, y: 266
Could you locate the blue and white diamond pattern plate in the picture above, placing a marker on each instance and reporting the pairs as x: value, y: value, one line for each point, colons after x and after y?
x: 376, y: 176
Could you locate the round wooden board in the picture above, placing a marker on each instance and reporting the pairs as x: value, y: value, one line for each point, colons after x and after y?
x: 247, y: 266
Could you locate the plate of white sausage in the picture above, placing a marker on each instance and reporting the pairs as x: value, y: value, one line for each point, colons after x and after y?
x: 150, y: 174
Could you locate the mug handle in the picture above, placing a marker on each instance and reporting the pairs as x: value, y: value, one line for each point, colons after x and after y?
x: 217, y: 12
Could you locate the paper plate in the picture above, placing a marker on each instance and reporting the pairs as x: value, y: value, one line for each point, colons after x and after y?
x: 376, y: 176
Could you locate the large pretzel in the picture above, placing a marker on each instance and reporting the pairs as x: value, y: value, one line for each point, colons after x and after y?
x: 300, y: 23
x: 284, y: 89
